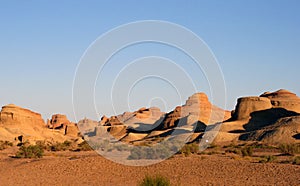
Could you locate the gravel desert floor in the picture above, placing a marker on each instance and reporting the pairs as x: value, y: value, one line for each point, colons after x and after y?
x: 89, y: 168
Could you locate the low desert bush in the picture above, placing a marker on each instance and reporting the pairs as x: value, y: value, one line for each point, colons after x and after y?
x: 285, y: 161
x: 5, y: 144
x: 122, y: 147
x: 296, y: 160
x: 103, y: 145
x: 290, y: 149
x: 31, y: 151
x: 262, y: 146
x: 213, y: 152
x: 44, y: 145
x: 267, y: 159
x: 66, y: 145
x: 157, y: 180
x: 247, y: 151
x: 233, y: 150
x: 189, y: 149
x: 84, y: 146
x: 159, y: 151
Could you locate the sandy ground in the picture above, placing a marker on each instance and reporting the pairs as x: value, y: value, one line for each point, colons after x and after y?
x: 88, y: 168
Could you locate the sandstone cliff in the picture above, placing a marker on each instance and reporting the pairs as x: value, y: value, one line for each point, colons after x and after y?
x: 19, y: 125
x: 264, y: 118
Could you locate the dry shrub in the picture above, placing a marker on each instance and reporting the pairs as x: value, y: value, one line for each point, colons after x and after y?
x: 31, y: 151
x: 157, y: 180
x: 290, y: 149
x: 5, y: 144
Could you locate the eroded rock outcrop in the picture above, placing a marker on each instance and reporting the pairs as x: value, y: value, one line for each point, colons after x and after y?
x: 12, y: 114
x: 17, y: 123
x: 58, y: 121
x: 61, y: 122
x: 196, y: 109
x: 71, y: 130
x: 247, y: 105
x: 272, y: 117
x: 284, y: 99
x: 284, y: 130
x: 280, y: 99
x: 133, y: 119
x: 20, y: 125
x: 195, y: 115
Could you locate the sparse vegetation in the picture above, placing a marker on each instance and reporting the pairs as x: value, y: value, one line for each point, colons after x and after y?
x: 66, y: 145
x: 159, y: 151
x: 122, y: 147
x: 103, y: 145
x: 233, y: 150
x: 267, y: 159
x: 84, y: 146
x: 262, y: 146
x: 157, y: 180
x: 290, y: 149
x: 189, y: 149
x: 213, y: 152
x: 5, y: 144
x: 296, y: 160
x: 247, y: 151
x: 44, y: 145
x: 31, y: 151
x: 156, y: 152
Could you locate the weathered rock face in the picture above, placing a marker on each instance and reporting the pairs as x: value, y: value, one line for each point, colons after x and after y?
x: 246, y: 105
x: 58, y: 121
x: 272, y: 117
x: 87, y: 126
x: 21, y: 124
x: 198, y: 107
x: 285, y: 130
x: 279, y: 99
x: 71, y: 130
x: 104, y: 120
x: 284, y: 99
x: 17, y: 123
x: 114, y: 120
x: 172, y: 117
x: 143, y: 115
x: 12, y: 114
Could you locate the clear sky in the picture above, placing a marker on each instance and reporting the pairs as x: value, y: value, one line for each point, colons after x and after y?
x: 256, y: 43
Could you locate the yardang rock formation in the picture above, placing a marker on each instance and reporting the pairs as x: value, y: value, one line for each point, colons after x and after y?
x: 19, y: 125
x: 273, y: 117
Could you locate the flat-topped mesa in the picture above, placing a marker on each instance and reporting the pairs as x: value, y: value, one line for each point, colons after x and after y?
x: 12, y: 114
x: 279, y: 99
x: 284, y: 99
x: 246, y: 105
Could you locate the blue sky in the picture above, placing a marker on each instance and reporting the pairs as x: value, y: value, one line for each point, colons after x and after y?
x: 256, y: 43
